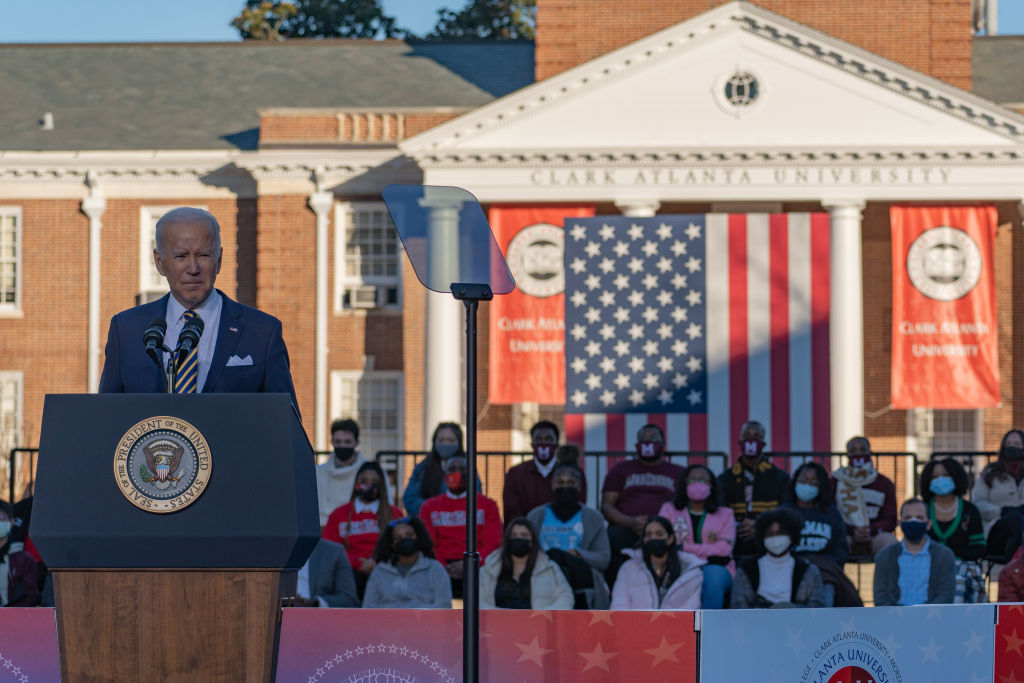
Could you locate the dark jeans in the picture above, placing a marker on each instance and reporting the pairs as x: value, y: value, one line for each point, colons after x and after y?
x: 619, y: 537
x: 577, y: 573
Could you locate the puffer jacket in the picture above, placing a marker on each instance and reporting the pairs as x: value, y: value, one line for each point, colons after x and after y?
x: 635, y: 589
x: 548, y: 587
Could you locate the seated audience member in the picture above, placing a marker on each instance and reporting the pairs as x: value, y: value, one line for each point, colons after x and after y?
x: 633, y: 492
x: 334, y: 479
x: 444, y: 516
x: 407, y: 575
x: 751, y: 486
x: 658, y: 575
x: 1011, y: 579
x: 956, y: 524
x: 866, y: 499
x: 1004, y: 540
x: 917, y: 570
x: 777, y: 578
x: 520, y: 576
x: 1000, y: 487
x: 528, y: 484
x: 19, y: 576
x: 574, y: 537
x: 704, y: 529
x: 326, y: 579
x: 358, y: 523
x: 823, y: 535
x: 427, y: 479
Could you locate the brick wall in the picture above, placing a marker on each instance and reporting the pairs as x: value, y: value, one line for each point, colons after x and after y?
x: 932, y: 36
x: 281, y: 128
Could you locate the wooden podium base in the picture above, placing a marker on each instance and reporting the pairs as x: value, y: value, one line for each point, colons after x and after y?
x: 154, y: 625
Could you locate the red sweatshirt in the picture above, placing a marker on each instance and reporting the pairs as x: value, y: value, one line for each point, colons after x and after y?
x: 358, y: 533
x: 445, y: 519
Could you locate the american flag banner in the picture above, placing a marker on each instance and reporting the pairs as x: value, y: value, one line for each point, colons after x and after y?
x: 697, y: 323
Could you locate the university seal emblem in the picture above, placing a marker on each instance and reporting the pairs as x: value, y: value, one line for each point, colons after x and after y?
x: 535, y: 258
x: 162, y: 464
x: 944, y: 263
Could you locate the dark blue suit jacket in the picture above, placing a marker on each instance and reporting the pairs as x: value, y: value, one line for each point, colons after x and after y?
x: 243, y: 332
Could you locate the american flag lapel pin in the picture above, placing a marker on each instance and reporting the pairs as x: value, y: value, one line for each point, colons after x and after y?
x: 233, y: 329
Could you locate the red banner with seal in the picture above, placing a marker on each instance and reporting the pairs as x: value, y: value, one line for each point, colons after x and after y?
x: 944, y: 348
x: 527, y: 327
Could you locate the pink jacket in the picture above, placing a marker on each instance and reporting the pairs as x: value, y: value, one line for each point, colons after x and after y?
x: 635, y: 589
x: 721, y: 522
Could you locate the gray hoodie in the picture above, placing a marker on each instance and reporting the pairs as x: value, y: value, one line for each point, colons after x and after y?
x: 425, y: 586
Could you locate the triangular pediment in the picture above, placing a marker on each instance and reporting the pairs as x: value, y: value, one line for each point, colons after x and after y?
x: 683, y: 89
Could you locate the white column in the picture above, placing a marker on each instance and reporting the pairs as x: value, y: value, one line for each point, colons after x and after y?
x: 93, y: 206
x: 444, y: 376
x: 846, y: 321
x: 321, y: 203
x: 638, y: 208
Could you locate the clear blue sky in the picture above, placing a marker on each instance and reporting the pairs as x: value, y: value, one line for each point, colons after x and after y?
x: 67, y: 21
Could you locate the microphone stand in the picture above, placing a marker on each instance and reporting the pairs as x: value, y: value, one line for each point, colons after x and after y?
x: 172, y: 368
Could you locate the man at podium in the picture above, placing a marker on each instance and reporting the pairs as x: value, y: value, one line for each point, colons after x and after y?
x: 222, y: 345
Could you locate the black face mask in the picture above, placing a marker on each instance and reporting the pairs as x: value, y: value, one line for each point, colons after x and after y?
x: 344, y: 453
x: 567, y: 495
x: 519, y: 547
x: 656, y: 547
x: 1011, y: 453
x: 368, y: 494
x: 404, y: 547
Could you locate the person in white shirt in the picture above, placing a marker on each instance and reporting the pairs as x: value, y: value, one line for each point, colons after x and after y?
x: 335, y: 477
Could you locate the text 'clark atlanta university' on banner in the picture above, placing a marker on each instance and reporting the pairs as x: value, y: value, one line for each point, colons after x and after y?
x: 944, y: 347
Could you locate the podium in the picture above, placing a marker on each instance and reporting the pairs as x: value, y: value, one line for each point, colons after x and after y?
x: 187, y: 594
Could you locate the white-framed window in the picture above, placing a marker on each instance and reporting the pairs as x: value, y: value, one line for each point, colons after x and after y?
x: 10, y: 258
x: 374, y: 399
x: 367, y: 257
x: 931, y: 430
x: 11, y: 402
x: 152, y: 285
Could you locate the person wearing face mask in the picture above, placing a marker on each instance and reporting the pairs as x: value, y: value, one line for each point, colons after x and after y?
x: 917, y: 570
x: 427, y: 479
x: 521, y: 576
x: 956, y: 524
x: 574, y: 537
x: 444, y: 516
x: 634, y: 490
x: 19, y: 576
x: 999, y: 490
x: 822, y: 534
x: 658, y: 575
x: 866, y: 499
x: 777, y: 578
x: 407, y: 574
x: 357, y: 524
x: 705, y: 529
x: 528, y: 484
x: 334, y: 478
x: 751, y: 486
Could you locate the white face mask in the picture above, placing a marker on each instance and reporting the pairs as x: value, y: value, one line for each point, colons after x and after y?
x: 777, y: 545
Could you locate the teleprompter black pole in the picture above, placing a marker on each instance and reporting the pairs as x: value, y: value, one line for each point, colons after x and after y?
x: 471, y: 295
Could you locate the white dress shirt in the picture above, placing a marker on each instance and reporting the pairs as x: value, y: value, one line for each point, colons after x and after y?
x: 209, y: 311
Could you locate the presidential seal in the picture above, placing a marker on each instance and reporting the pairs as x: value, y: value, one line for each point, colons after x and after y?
x: 535, y: 259
x: 944, y: 263
x: 162, y: 464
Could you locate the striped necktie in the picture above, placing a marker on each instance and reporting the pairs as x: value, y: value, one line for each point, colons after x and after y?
x: 188, y: 371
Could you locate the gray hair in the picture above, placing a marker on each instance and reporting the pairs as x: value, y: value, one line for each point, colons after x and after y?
x: 188, y: 214
x: 757, y: 426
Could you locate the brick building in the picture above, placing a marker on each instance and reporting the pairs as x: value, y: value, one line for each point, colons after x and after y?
x: 624, y: 105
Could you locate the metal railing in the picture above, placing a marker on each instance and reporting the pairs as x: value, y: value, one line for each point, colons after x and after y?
x: 902, y: 467
x: 12, y: 472
x: 492, y: 466
x: 973, y: 461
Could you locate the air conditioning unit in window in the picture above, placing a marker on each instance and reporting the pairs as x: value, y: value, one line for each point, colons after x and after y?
x: 364, y: 296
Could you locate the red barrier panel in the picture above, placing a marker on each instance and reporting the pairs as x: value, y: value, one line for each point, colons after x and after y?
x: 515, y: 645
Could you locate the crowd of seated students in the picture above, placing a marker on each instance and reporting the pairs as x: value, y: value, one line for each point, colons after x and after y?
x: 668, y: 537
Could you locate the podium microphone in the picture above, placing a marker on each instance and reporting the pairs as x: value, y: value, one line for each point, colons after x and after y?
x: 153, y: 338
x: 188, y: 338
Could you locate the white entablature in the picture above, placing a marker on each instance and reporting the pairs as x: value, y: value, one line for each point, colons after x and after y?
x: 736, y: 101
